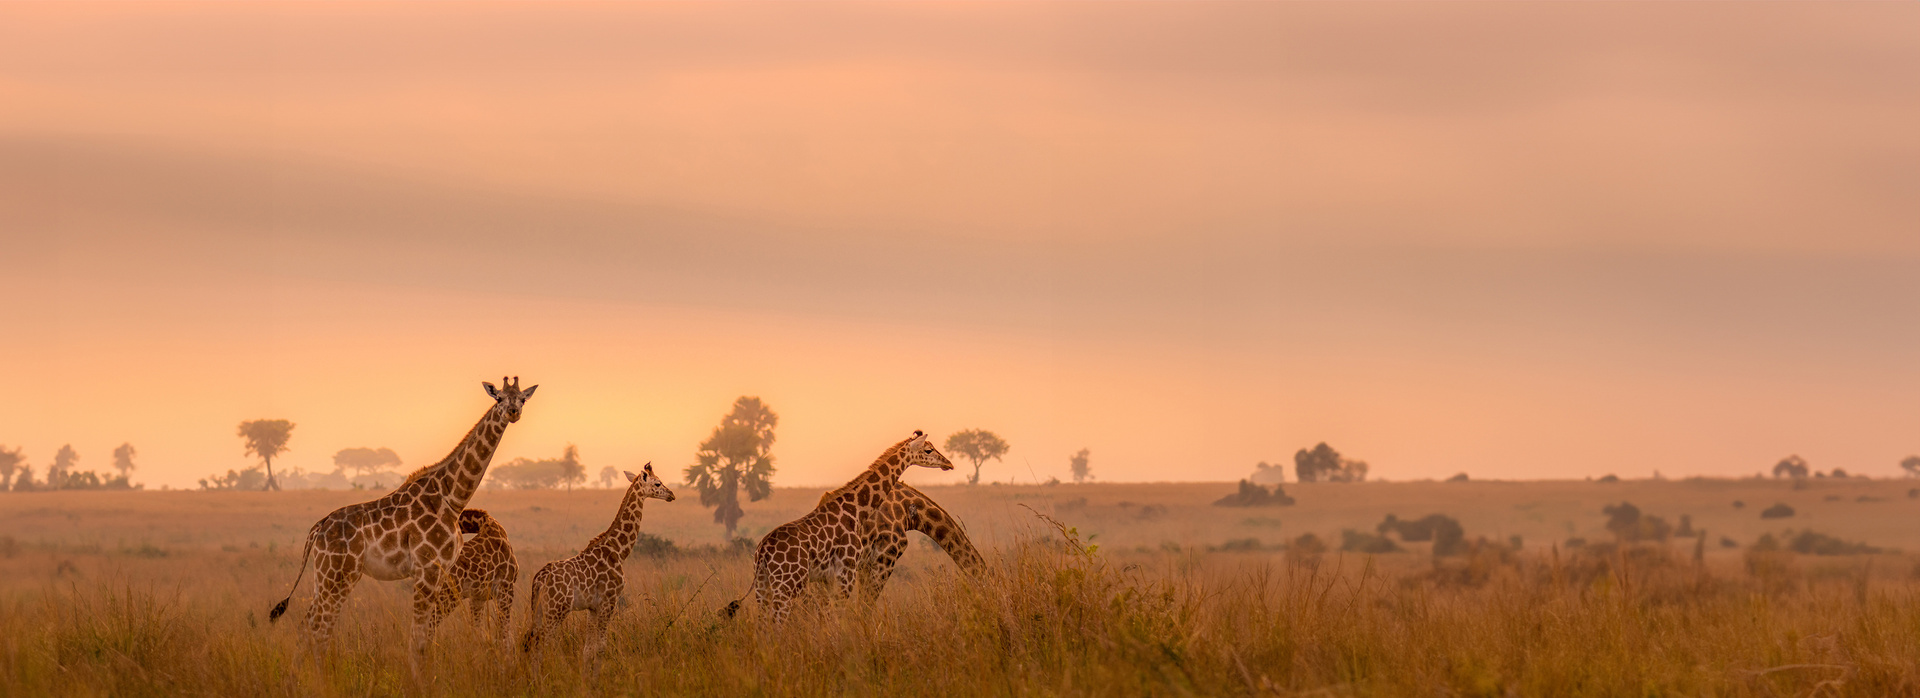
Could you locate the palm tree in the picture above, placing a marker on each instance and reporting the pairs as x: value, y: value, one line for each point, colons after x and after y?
x: 267, y: 438
x: 738, y: 455
x: 979, y: 446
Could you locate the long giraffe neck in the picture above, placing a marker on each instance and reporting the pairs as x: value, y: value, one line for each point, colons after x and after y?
x: 456, y: 477
x: 928, y: 517
x: 618, y: 539
x: 892, y: 464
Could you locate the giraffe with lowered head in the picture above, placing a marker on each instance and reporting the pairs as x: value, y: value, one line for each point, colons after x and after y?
x: 830, y: 541
x: 485, y: 570
x: 412, y: 533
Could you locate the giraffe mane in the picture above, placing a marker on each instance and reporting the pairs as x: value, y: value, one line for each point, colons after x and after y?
x: 847, y: 488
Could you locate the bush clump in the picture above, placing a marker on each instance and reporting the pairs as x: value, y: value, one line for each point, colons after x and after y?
x: 1809, y: 542
x: 1362, y: 542
x: 1252, y: 495
x: 1779, y: 510
x: 1629, y: 525
x: 649, y: 545
x: 1448, y: 537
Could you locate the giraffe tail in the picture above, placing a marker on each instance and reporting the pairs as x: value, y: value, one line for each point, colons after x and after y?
x: 306, y: 556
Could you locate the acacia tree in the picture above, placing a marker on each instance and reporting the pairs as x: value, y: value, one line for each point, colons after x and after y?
x: 608, y: 475
x: 739, y: 455
x: 1791, y: 466
x: 363, y: 461
x: 978, y: 446
x: 123, y: 460
x: 1911, y: 464
x: 1081, y: 471
x: 267, y: 438
x: 10, y: 463
x: 1323, y: 464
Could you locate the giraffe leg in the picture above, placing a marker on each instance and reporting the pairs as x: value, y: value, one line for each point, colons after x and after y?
x: 477, y: 607
x: 428, y: 610
x: 335, y: 581
x: 597, y: 637
x: 877, y: 566
x: 503, y: 596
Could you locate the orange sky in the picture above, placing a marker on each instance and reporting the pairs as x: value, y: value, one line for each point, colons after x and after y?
x: 1523, y: 240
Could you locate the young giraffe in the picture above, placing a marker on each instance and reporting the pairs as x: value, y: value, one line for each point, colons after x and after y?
x: 921, y: 514
x: 593, y: 579
x: 484, y: 571
x: 412, y: 533
x: 830, y: 540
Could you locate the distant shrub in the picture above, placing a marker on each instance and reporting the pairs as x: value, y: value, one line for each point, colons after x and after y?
x: 1737, y: 504
x: 1306, y: 550
x: 1240, y: 545
x: 1252, y: 495
x: 1458, y: 477
x: 1362, y: 542
x: 1765, y: 559
x: 1261, y: 521
x: 1629, y: 525
x: 1726, y: 542
x: 1686, y: 527
x: 649, y: 545
x: 1151, y: 511
x: 1609, y: 478
x: 1777, y: 511
x: 1075, y: 504
x: 1866, y: 498
x: 1913, y: 493
x: 1809, y: 542
x: 1575, y: 543
x: 1448, y: 537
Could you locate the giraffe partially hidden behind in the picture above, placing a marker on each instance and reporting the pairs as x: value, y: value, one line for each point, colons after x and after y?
x: 592, y: 580
x: 829, y: 541
x: 412, y: 533
x: 484, y: 571
x: 921, y: 514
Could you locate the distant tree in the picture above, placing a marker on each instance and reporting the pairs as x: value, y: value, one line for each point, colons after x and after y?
x: 1323, y: 464
x: 249, y: 479
x: 366, y: 461
x: 63, y: 462
x: 608, y: 475
x: 1265, y: 473
x: 123, y: 460
x: 1911, y: 464
x: 267, y: 438
x: 978, y: 446
x: 24, y: 481
x: 10, y: 463
x: 738, y: 455
x: 1792, y: 467
x: 571, y: 469
x: 1081, y: 471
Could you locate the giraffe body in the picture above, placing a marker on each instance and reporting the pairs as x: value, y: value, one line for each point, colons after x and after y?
x: 484, y: 571
x: 592, y: 580
x: 411, y: 533
x: 830, y: 541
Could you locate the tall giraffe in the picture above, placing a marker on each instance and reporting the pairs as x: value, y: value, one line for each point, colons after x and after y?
x: 829, y: 541
x: 485, y: 570
x: 592, y: 580
x: 412, y: 533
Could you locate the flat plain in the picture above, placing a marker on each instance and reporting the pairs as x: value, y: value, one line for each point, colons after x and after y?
x: 1141, y: 589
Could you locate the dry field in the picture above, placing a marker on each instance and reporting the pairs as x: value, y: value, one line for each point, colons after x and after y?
x: 167, y: 592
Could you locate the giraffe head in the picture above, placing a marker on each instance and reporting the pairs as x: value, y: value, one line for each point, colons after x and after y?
x: 921, y: 453
x: 509, y: 398
x: 647, y: 485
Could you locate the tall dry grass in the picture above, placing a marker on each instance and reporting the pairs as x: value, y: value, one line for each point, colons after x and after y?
x: 1052, y: 616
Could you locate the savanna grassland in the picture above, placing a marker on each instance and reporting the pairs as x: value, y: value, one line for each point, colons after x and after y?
x: 1144, y: 589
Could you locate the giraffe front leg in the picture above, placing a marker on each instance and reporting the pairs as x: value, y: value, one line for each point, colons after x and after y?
x: 877, y: 565
x: 597, y: 636
x: 428, y: 609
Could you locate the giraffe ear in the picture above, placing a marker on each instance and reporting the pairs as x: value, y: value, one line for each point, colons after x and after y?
x: 524, y: 394
x: 491, y: 391
x: 630, y: 476
x: 919, y: 437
